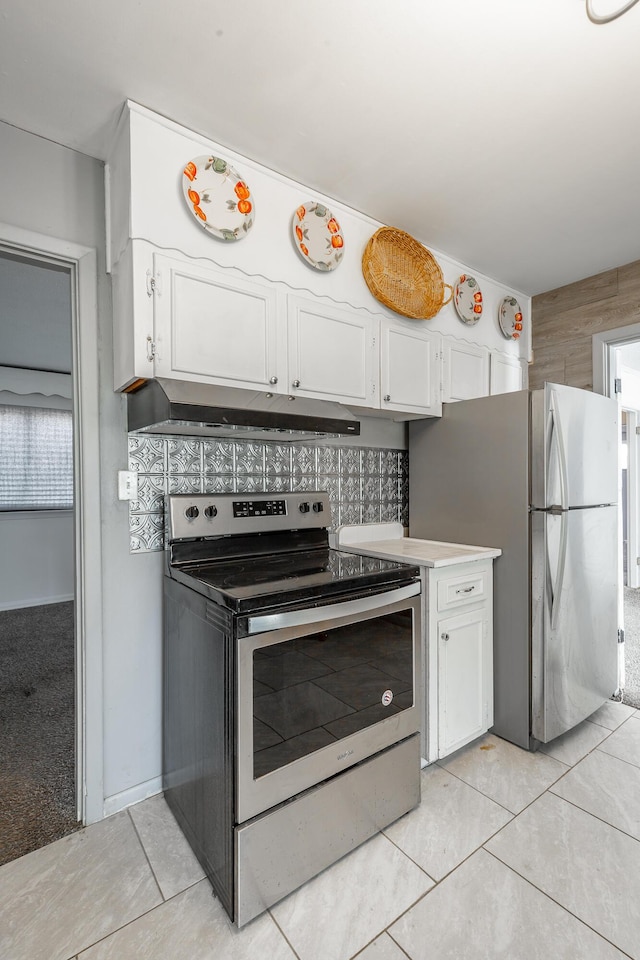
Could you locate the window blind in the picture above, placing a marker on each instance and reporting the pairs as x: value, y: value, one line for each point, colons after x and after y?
x: 36, y: 458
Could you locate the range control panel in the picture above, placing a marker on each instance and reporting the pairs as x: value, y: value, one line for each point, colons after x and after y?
x: 210, y: 515
x: 259, y: 508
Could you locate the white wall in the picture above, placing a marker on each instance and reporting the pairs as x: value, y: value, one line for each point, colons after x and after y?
x: 72, y: 208
x: 36, y: 559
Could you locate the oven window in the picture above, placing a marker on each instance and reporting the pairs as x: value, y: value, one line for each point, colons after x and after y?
x: 315, y: 690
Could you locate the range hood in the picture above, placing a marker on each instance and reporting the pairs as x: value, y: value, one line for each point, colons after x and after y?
x: 197, y: 409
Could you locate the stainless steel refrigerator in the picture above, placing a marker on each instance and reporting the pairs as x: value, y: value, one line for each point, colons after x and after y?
x: 534, y: 473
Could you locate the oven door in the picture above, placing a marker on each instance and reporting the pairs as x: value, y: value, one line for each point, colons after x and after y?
x: 322, y: 688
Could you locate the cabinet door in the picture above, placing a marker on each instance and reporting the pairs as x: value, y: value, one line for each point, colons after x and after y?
x: 215, y: 326
x: 331, y: 352
x: 506, y: 373
x: 409, y: 369
x: 463, y: 665
x: 465, y: 370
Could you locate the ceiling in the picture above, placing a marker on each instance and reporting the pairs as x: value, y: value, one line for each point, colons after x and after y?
x: 503, y: 133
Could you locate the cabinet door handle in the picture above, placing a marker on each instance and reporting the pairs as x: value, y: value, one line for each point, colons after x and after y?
x: 386, y: 398
x: 465, y: 590
x: 273, y: 379
x: 296, y: 383
x: 445, y: 636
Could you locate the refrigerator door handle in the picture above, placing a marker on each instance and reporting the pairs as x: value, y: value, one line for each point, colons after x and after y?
x: 556, y: 588
x: 556, y: 438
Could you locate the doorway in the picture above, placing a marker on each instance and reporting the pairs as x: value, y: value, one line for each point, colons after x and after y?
x: 616, y: 366
x: 38, y: 788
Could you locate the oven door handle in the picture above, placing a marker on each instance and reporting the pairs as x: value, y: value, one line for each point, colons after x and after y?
x: 334, y: 611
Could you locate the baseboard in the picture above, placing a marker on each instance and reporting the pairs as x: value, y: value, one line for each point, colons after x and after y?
x: 37, y: 602
x: 141, y: 791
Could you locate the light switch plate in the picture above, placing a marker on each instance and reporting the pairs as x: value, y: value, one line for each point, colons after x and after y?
x: 127, y: 485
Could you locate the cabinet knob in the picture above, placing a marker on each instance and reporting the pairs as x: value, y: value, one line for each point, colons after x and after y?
x: 296, y: 383
x: 387, y: 398
x: 445, y: 636
x: 273, y: 379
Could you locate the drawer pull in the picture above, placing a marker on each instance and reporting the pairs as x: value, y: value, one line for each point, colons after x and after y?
x: 445, y: 636
x: 466, y: 589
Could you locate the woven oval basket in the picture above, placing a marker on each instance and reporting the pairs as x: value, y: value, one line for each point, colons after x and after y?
x: 403, y: 275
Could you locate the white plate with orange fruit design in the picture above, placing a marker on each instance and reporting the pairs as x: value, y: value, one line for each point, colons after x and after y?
x: 467, y: 299
x: 510, y: 318
x: 317, y: 236
x: 218, y: 197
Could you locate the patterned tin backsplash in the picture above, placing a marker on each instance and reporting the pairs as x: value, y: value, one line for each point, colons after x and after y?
x: 365, y: 484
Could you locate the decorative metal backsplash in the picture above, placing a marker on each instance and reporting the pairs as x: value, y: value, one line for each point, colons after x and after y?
x: 365, y: 484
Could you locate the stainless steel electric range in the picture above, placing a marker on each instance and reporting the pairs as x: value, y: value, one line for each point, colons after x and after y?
x: 291, y: 691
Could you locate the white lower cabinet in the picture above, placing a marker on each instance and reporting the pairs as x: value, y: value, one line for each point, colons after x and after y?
x: 462, y: 704
x: 458, y: 655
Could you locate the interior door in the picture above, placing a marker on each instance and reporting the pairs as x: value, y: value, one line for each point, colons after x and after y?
x: 575, y: 617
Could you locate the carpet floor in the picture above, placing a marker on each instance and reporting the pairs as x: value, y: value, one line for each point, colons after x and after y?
x: 37, y: 728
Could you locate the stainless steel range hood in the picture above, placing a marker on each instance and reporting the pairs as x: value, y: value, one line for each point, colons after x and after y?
x: 197, y: 409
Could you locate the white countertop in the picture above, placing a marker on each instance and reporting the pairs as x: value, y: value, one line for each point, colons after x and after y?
x: 425, y: 553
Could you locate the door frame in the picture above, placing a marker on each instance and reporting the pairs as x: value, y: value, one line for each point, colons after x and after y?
x: 82, y: 264
x: 604, y: 373
x: 601, y: 346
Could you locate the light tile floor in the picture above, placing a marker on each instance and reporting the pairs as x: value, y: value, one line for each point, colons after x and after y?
x: 509, y: 855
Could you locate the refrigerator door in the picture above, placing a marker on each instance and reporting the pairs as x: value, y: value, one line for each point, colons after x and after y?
x: 573, y: 448
x: 574, y: 617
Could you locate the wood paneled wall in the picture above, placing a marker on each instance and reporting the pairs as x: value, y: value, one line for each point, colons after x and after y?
x: 564, y: 321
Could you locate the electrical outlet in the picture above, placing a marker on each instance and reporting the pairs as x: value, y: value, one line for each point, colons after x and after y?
x: 127, y: 485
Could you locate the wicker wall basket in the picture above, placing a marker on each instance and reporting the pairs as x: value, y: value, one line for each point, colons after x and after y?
x: 403, y: 275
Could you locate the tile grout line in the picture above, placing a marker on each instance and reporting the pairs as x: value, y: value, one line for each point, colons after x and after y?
x: 497, y: 802
x: 146, y: 913
x: 558, y: 904
x: 146, y: 855
x: 595, y: 816
x: 282, y: 933
x: 629, y: 763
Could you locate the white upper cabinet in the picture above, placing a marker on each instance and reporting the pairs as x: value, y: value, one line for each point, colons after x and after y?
x: 254, y: 313
x: 409, y: 369
x: 174, y: 317
x: 465, y: 370
x: 214, y: 325
x: 332, y: 352
x: 506, y: 373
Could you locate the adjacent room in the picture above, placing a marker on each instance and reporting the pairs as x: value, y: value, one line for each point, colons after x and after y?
x: 37, y: 635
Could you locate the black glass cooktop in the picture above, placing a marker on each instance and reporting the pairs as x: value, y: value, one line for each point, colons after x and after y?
x: 246, y: 584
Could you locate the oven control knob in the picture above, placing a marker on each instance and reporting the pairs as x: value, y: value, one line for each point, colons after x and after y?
x: 318, y: 506
x: 191, y: 513
x: 304, y: 508
x: 210, y: 512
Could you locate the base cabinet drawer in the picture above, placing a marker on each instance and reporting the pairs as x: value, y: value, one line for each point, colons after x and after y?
x: 464, y: 588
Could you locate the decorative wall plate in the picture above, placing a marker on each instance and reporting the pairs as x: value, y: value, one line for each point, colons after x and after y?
x: 510, y: 318
x: 317, y: 236
x: 467, y: 299
x: 218, y: 198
